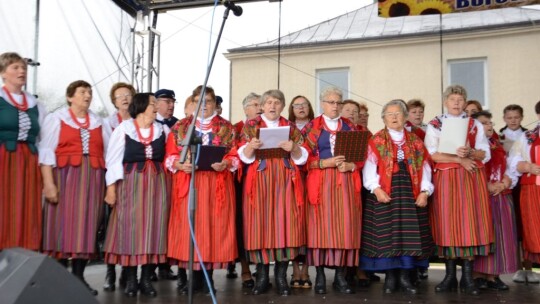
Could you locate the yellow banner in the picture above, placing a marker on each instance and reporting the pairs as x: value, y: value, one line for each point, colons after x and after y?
x: 399, y: 8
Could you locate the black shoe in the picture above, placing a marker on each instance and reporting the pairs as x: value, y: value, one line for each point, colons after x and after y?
x: 231, y: 271
x: 182, y: 279
x: 449, y: 283
x: 405, y: 283
x: 262, y: 282
x: 122, y: 279
x: 374, y: 278
x: 77, y: 267
x: 205, y: 288
x: 423, y: 273
x: 248, y: 284
x: 197, y: 283
x: 466, y: 284
x: 497, y: 285
x: 145, y: 284
x: 130, y: 280
x: 320, y: 281
x: 110, y: 278
x: 280, y: 275
x: 165, y: 272
x: 414, y: 277
x: 481, y: 283
x: 390, y: 281
x: 340, y: 283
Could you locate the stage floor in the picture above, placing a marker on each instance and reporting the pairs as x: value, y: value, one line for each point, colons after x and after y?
x: 230, y: 291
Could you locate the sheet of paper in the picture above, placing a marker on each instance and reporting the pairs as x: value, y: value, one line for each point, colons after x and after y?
x: 453, y: 135
x: 507, y: 144
x: 271, y: 137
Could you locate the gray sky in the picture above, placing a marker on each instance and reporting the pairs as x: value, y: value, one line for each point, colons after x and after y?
x: 186, y: 37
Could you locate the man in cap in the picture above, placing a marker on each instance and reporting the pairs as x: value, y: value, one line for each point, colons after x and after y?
x: 165, y: 101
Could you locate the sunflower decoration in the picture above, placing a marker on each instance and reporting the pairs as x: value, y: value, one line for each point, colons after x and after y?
x: 431, y: 7
x: 396, y: 8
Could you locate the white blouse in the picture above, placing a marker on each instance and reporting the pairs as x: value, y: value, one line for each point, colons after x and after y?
x: 272, y: 124
x: 371, y: 178
x: 520, y: 151
x: 432, y: 136
x: 50, y: 133
x: 117, y: 147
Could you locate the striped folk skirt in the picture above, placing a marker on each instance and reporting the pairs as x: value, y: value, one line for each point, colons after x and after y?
x: 396, y: 234
x: 505, y: 258
x: 530, y: 215
x: 214, y: 227
x: 460, y: 213
x: 334, y: 225
x: 137, y: 230
x: 274, y: 222
x: 70, y: 226
x: 20, y: 199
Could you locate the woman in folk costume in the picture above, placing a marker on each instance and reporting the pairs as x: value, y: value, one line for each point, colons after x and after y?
x: 252, y: 109
x: 214, y: 218
x: 273, y: 195
x: 334, y: 215
x: 301, y: 113
x: 21, y: 117
x: 121, y: 95
x: 396, y: 232
x: 505, y: 257
x: 72, y: 158
x: 136, y: 190
x: 523, y: 159
x: 460, y: 213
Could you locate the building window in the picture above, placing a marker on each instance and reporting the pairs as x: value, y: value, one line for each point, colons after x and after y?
x: 332, y: 77
x: 472, y: 75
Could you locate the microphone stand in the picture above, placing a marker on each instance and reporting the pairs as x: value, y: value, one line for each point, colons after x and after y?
x: 191, y: 141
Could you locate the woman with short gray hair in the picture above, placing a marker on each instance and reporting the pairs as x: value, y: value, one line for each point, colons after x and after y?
x: 398, y: 164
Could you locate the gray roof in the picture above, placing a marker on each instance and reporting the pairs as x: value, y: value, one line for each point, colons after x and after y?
x: 364, y: 24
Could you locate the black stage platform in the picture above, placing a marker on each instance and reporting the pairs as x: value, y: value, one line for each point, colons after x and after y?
x: 230, y: 291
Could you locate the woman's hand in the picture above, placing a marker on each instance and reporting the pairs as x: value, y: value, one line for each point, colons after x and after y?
x: 51, y: 192
x: 110, y: 195
x: 186, y: 167
x: 219, y: 166
x: 468, y: 164
x: 534, y: 169
x: 421, y: 200
x: 382, y: 197
x: 463, y: 151
x: 333, y: 161
x: 346, y: 167
x: 287, y: 145
x: 255, y: 144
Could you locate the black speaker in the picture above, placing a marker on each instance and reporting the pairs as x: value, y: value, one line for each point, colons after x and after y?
x: 30, y: 277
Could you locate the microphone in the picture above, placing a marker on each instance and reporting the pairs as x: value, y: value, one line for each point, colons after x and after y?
x: 237, y: 10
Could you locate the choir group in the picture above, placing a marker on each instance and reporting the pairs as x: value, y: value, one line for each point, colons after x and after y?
x: 299, y: 203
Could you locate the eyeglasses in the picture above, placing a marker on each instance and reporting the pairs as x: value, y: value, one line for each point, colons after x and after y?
x: 333, y: 103
x: 256, y: 105
x: 363, y: 115
x: 299, y: 105
x: 122, y: 96
x: 395, y: 114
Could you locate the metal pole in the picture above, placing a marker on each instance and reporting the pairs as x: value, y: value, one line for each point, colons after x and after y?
x: 36, y: 48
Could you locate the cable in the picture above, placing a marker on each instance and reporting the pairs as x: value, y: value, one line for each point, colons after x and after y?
x: 279, y: 48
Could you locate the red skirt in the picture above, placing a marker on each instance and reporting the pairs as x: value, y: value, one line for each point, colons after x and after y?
x: 215, y: 230
x: 530, y: 215
x: 20, y: 199
x: 461, y: 214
